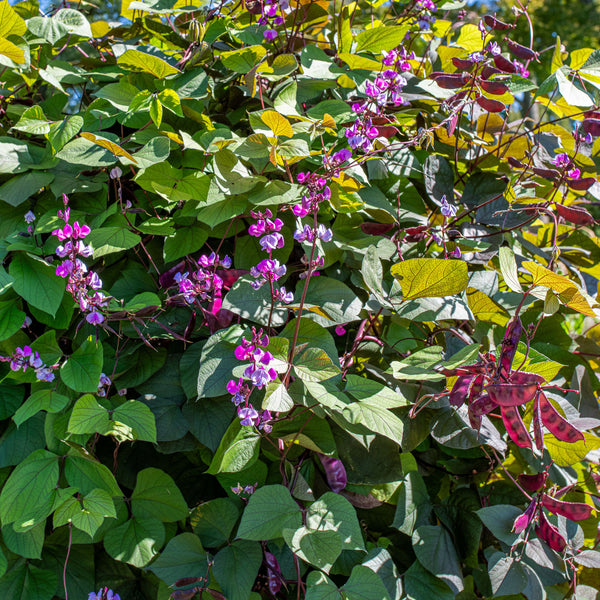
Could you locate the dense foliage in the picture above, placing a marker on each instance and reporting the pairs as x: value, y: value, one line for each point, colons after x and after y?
x: 294, y: 304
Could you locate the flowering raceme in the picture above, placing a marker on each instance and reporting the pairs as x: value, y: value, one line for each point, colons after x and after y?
x: 203, y: 284
x: 25, y: 358
x: 82, y: 285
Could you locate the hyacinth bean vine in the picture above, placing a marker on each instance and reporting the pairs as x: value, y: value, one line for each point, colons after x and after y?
x: 298, y: 299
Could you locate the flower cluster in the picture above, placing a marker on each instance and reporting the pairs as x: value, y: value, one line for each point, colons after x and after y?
x: 386, y: 89
x: 271, y: 16
x: 269, y: 270
x: 103, y: 385
x: 29, y: 218
x: 83, y: 285
x: 563, y: 161
x: 204, y: 283
x: 425, y: 18
x: 259, y: 374
x: 104, y: 594
x: 25, y: 358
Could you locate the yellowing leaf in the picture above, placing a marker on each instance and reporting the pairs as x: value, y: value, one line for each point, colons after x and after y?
x: 328, y: 121
x: 100, y: 28
x: 10, y: 22
x: 277, y: 123
x: 11, y: 51
x: 134, y: 60
x: 567, y: 290
x: 578, y: 57
x: 566, y: 454
x: 430, y: 277
x: 110, y: 146
x: 355, y: 61
x: 557, y: 61
x: 470, y: 38
x: 485, y: 309
x: 347, y: 183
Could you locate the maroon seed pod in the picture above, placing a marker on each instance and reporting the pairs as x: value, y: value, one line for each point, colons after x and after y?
x: 550, y: 174
x: 591, y: 126
x: 532, y: 483
x: 216, y: 595
x: 376, y: 228
x: 494, y: 87
x: 273, y: 573
x: 448, y: 82
x: 493, y: 106
x: 574, y: 214
x: 476, y: 388
x: 576, y: 511
x: 513, y: 162
x: 463, y: 64
x: 334, y: 472
x: 460, y: 389
x: 187, y: 581
x: 488, y: 71
x: 482, y: 406
x: 515, y: 427
x: 523, y: 521
x: 512, y: 335
x: 559, y: 427
x: 474, y: 420
x: 520, y: 52
x: 511, y: 394
x: 413, y: 234
x: 183, y: 594
x: 504, y: 64
x: 496, y: 24
x: 523, y: 378
x: 167, y: 279
x: 386, y: 131
x: 437, y: 74
x: 581, y: 184
x: 549, y: 534
x: 230, y: 276
x: 536, y: 418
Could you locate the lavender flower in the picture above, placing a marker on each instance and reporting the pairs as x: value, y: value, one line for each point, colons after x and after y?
x: 25, y: 358
x: 448, y: 210
x: 104, y: 594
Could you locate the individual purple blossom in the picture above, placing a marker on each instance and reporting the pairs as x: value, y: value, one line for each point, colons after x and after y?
x: 103, y: 384
x: 265, y: 418
x: 283, y: 296
x: 521, y: 69
x: 574, y: 173
x: 270, y: 34
x: 340, y: 330
x: 523, y: 521
x: 29, y: 217
x: 456, y: 253
x: 95, y: 318
x: 248, y: 415
x: 268, y: 269
x: 494, y: 48
x: 104, y: 594
x: 562, y: 160
x: 448, y: 210
x: 272, y: 241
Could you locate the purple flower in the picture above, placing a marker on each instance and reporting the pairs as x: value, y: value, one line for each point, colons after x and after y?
x: 44, y: 374
x: 248, y: 416
x: 104, y: 594
x: 29, y: 217
x: 562, y: 160
x: 270, y: 34
x: 272, y: 241
x: 448, y: 210
x: 522, y: 521
x: 494, y: 49
x: 95, y: 318
x: 574, y: 173
x: 456, y: 253
x: 340, y: 330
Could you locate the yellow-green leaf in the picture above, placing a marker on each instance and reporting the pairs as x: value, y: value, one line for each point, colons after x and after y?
x: 485, y: 309
x: 156, y: 111
x: 277, y: 123
x: 134, y: 60
x: 567, y: 291
x: 11, y: 51
x: 566, y: 454
x: 110, y: 146
x: 557, y: 61
x: 170, y: 100
x: 430, y: 277
x: 10, y: 22
x: 244, y: 59
x: 355, y: 61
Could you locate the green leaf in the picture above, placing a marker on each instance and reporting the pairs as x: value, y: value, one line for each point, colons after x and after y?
x: 157, y: 496
x: 11, y: 319
x: 27, y: 496
x: 333, y: 512
x: 499, y: 519
x: 81, y: 372
x: 88, y: 513
x: 434, y: 549
x: 439, y: 178
x: 83, y: 152
x: 25, y: 581
x: 17, y: 443
x: 136, y: 541
x: 156, y: 112
x: 185, y: 241
x: 244, y: 59
x: 507, y: 574
x: 270, y: 510
x: 373, y: 392
x: 414, y: 506
x: 88, y: 416
x: 183, y: 557
x: 107, y: 240
x: 28, y: 544
x: 239, y: 448
x: 430, y: 277
x: 139, y: 417
x: 214, y: 521
x: 64, y: 131
x: 277, y: 398
x: 34, y: 121
x: 320, y: 548
x: 376, y: 419
x: 420, y: 584
x: 320, y: 587
x: 236, y: 567
x: 364, y: 584
x: 217, y: 362
x: 380, y: 38
x: 47, y: 400
x: 74, y: 22
x: 134, y: 60
x: 571, y: 93
x: 86, y: 474
x: 313, y: 364
x: 336, y: 299
x: 36, y: 282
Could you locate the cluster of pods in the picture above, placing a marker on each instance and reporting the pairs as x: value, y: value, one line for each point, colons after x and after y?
x: 576, y: 511
x: 506, y: 389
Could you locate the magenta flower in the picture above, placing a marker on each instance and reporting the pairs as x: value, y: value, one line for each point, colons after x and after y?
x: 270, y: 34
